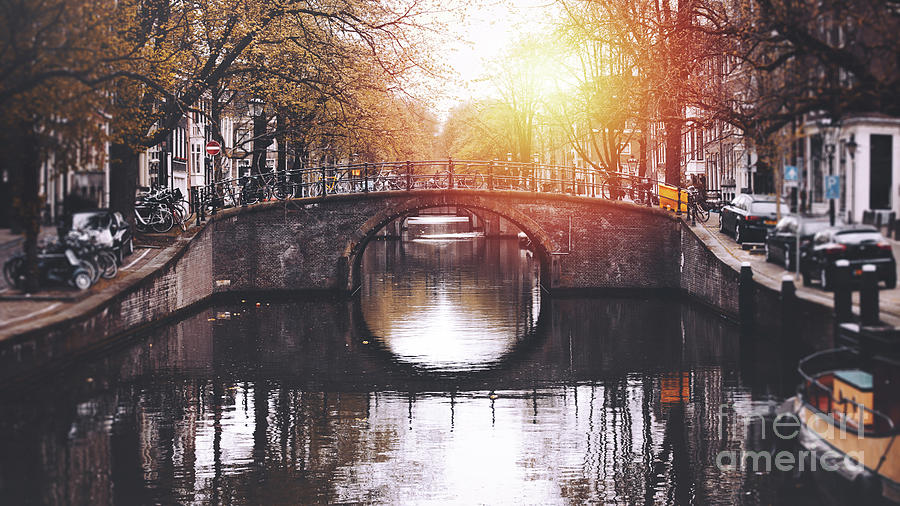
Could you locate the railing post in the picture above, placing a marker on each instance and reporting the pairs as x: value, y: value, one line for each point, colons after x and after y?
x: 366, y: 177
x: 324, y: 185
x: 745, y: 295
x: 408, y: 175
x: 868, y: 296
x: 648, y: 193
x: 450, y: 173
x: 788, y: 305
x: 678, y: 205
x: 843, y: 295
x: 491, y: 176
x: 533, y: 177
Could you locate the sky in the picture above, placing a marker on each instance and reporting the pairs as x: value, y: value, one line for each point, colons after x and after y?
x: 477, y: 35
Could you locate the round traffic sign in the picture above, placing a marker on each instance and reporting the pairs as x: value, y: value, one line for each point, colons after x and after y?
x: 213, y: 148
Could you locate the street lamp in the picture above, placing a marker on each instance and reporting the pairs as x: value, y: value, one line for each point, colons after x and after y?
x: 829, y: 150
x: 851, y: 149
x: 256, y: 107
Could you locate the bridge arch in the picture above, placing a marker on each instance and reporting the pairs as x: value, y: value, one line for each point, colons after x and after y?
x: 541, y: 239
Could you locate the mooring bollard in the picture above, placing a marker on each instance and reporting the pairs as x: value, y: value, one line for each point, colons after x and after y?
x: 843, y: 294
x: 868, y: 296
x: 788, y: 305
x: 745, y: 294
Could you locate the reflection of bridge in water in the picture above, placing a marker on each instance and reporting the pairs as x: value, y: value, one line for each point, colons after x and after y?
x: 213, y: 404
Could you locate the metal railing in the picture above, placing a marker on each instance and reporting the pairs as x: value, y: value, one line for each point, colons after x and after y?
x: 325, y: 181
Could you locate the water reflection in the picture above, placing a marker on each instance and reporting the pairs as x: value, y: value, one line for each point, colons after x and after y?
x: 451, y: 302
x: 602, y: 400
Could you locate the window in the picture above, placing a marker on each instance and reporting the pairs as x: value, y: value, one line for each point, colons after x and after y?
x: 197, y: 158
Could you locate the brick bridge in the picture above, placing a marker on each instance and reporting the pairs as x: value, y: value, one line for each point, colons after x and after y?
x: 316, y: 243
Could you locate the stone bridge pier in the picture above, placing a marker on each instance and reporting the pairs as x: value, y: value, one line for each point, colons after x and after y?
x: 317, y: 244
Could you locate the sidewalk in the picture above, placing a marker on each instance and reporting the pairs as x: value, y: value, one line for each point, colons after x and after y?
x: 770, y: 274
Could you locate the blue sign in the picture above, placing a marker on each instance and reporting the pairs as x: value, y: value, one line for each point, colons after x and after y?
x: 832, y: 187
x: 791, y: 173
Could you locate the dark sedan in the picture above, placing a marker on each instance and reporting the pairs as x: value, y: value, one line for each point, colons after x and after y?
x: 749, y: 217
x: 859, y: 244
x: 781, y: 241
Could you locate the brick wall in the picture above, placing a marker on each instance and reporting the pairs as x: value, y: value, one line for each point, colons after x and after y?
x: 584, y: 243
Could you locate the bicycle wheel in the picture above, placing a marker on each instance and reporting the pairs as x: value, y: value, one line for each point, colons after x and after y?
x: 106, y: 260
x: 162, y: 220
x: 186, y: 212
x: 341, y: 186
x: 14, y: 272
x: 470, y: 181
x: 282, y: 190
x: 90, y: 266
x: 139, y: 221
x: 251, y: 193
x: 701, y: 213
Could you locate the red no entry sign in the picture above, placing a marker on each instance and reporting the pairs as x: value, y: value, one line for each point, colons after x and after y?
x: 213, y: 148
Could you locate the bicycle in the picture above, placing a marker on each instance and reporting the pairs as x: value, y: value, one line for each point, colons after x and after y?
x: 153, y: 215
x: 334, y: 183
x: 263, y: 186
x: 696, y: 205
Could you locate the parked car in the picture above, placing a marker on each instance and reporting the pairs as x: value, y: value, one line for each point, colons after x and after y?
x: 781, y: 241
x: 859, y: 244
x: 749, y: 217
x: 108, y: 229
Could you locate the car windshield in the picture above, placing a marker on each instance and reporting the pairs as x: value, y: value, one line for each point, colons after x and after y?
x: 858, y: 237
x: 767, y: 208
x: 811, y: 227
x: 89, y: 220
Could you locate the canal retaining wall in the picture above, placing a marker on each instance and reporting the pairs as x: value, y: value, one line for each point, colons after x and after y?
x: 711, y: 276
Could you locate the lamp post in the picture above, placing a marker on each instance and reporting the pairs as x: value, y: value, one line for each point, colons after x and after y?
x: 829, y: 150
x: 851, y: 149
x: 257, y: 108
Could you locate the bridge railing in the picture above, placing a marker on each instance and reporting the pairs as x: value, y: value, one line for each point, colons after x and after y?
x: 328, y: 180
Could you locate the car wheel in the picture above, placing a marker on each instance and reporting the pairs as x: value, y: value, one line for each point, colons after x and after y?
x: 737, y: 234
x: 129, y: 246
x: 721, y: 224
x: 891, y: 282
x: 823, y: 278
x: 768, y: 254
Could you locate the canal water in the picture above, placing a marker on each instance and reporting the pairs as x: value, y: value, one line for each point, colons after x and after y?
x: 448, y: 379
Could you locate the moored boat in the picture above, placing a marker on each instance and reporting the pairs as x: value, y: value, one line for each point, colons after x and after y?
x: 848, y: 408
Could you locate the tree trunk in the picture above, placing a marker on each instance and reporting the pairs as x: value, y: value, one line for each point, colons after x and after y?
x: 29, y: 209
x: 673, y: 124
x: 123, y: 171
x: 644, y: 128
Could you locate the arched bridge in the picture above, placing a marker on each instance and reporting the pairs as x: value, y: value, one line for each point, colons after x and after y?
x: 307, y: 229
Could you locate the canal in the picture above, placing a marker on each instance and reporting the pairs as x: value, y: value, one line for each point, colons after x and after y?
x: 448, y: 378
